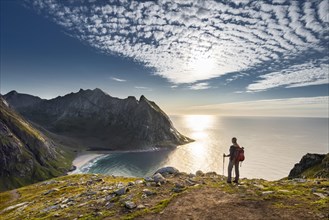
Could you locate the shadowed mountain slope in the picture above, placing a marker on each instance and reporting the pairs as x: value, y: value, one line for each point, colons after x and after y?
x: 26, y: 155
x: 96, y: 120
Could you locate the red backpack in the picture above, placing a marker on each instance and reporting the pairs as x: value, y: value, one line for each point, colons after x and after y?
x: 240, y: 154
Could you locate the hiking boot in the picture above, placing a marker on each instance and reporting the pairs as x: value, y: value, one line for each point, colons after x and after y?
x: 235, y: 181
x: 229, y: 182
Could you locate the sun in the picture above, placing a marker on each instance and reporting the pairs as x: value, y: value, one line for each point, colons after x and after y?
x: 203, y: 65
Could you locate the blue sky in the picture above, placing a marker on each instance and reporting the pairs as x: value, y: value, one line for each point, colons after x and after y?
x: 190, y: 57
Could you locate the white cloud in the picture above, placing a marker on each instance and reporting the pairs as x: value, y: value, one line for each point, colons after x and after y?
x: 199, y: 86
x: 118, y: 79
x: 296, y: 76
x: 172, y: 38
x: 323, y: 8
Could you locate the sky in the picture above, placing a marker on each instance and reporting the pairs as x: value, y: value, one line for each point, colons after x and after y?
x: 232, y: 57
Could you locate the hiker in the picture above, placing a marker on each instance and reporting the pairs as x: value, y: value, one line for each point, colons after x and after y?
x: 233, y: 161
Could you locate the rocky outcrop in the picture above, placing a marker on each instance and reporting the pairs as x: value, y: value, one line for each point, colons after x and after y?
x: 311, y: 166
x: 26, y: 155
x: 98, y: 121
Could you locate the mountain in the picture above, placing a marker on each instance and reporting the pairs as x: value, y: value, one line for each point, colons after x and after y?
x: 97, y: 120
x: 19, y: 100
x: 26, y: 155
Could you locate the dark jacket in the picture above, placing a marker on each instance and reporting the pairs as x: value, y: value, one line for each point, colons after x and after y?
x: 233, y: 150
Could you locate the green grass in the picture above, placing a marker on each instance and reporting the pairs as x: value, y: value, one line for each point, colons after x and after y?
x: 31, y: 145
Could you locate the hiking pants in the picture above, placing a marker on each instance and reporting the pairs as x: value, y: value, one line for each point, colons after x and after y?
x: 230, y: 167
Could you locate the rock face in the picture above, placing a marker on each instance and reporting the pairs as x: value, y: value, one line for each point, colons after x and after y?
x: 99, y: 121
x: 26, y: 155
x: 311, y: 165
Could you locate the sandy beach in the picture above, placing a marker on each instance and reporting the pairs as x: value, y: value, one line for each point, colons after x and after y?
x: 84, y: 158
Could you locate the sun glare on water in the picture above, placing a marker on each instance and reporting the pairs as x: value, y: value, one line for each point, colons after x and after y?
x: 199, y: 124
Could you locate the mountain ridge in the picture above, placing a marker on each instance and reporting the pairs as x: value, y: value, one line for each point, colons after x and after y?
x: 99, y: 121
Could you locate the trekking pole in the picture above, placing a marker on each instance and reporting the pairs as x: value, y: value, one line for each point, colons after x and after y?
x: 223, y: 163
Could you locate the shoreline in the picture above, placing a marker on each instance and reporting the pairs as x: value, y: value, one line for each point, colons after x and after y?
x: 83, y: 158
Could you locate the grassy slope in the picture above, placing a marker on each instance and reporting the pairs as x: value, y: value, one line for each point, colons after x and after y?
x: 89, y: 196
x: 29, y: 140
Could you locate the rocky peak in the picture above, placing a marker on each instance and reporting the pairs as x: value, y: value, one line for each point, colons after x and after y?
x: 19, y: 100
x: 89, y: 92
x: 144, y: 101
x: 143, y: 98
x: 132, y: 98
x: 12, y: 93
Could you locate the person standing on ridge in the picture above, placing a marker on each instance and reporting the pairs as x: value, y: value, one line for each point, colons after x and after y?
x: 233, y: 161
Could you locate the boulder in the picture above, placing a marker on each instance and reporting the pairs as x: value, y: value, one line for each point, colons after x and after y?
x: 177, y: 190
x: 130, y: 205
x: 149, y: 179
x: 121, y: 191
x: 141, y: 207
x: 167, y: 170
x: 158, y: 178
x: 148, y: 192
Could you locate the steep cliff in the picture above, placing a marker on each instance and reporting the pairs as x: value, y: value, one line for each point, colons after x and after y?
x: 26, y: 155
x: 311, y: 166
x: 98, y: 121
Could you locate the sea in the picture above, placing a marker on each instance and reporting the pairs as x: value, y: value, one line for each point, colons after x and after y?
x: 272, y: 146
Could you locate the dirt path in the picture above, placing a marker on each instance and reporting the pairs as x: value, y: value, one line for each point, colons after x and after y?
x: 210, y: 203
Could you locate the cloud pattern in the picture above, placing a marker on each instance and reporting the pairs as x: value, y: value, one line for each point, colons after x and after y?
x: 193, y: 41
